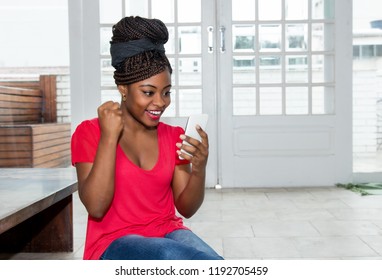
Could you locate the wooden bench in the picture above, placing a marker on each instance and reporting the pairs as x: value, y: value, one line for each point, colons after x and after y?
x: 36, y: 213
x: 29, y: 133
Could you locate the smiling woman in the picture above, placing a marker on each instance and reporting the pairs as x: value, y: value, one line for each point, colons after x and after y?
x: 130, y: 177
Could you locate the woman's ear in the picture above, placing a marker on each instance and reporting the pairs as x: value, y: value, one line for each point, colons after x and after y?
x: 123, y: 91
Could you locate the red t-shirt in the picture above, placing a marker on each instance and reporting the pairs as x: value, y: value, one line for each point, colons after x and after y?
x: 143, y: 201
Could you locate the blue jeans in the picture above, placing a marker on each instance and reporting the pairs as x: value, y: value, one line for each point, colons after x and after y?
x: 178, y: 245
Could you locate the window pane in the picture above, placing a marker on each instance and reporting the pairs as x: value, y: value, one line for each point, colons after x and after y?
x: 190, y: 102
x: 378, y: 50
x: 296, y: 9
x: 163, y: 10
x: 105, y: 38
x: 170, y: 45
x: 296, y: 37
x: 270, y: 101
x: 243, y: 38
x: 270, y: 9
x: 296, y: 69
x: 322, y: 37
x: 189, y: 40
x: 189, y: 11
x: 190, y: 71
x: 322, y: 9
x: 244, y: 101
x: 244, y: 70
x: 322, y: 69
x: 171, y: 110
x: 110, y: 95
x: 136, y: 8
x: 243, y: 10
x: 110, y: 11
x: 367, y: 51
x: 296, y: 101
x: 356, y: 52
x: 270, y: 37
x: 107, y: 72
x: 174, y: 71
x: 322, y: 100
x: 270, y: 69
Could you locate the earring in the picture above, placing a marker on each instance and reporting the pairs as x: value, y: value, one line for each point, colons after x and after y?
x: 124, y: 97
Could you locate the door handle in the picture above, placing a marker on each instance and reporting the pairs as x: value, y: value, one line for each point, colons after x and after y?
x: 210, y: 30
x: 222, y: 39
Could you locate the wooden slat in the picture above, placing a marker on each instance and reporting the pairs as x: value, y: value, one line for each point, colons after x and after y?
x: 40, y: 160
x: 21, y: 91
x: 50, y: 128
x: 15, y: 147
x: 12, y: 130
x: 20, y: 98
x: 16, y: 162
x: 21, y: 105
x: 19, y: 111
x: 53, y: 142
x: 51, y: 150
x: 20, y: 119
x: 16, y: 139
x: 15, y: 154
x: 48, y: 137
x: 49, y: 91
x: 60, y: 162
x: 21, y: 84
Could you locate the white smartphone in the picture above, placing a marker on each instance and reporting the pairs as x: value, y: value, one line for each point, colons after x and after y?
x: 193, y: 120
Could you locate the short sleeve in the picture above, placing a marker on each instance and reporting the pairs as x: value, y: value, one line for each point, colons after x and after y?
x: 84, y: 142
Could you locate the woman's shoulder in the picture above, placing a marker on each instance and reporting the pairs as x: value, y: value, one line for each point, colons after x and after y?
x: 88, y: 126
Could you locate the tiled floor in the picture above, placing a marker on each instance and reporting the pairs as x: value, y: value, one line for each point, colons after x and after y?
x: 274, y: 223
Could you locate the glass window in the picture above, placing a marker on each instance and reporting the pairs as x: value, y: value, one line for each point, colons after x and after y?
x: 190, y: 102
x: 270, y: 101
x: 238, y: 13
x: 189, y: 40
x: 367, y: 51
x: 270, y: 37
x: 296, y: 37
x: 244, y: 101
x: 296, y: 101
x: 356, y: 51
x: 135, y: 8
x: 243, y: 38
x: 378, y: 50
x: 270, y: 9
x: 189, y: 11
x: 166, y: 14
x: 110, y: 11
x: 296, y: 9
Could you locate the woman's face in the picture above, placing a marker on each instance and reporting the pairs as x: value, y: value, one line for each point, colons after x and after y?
x: 147, y: 100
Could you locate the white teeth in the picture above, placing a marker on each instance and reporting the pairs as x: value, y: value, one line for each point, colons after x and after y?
x: 155, y: 112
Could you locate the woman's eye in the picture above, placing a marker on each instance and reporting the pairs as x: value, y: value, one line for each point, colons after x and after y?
x: 148, y: 93
x: 167, y: 93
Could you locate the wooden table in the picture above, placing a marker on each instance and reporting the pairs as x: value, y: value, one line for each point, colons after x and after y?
x: 36, y: 209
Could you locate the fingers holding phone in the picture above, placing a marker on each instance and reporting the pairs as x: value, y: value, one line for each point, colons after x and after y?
x: 194, y: 146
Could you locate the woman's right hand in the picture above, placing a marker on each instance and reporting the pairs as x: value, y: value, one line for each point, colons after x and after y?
x: 110, y: 119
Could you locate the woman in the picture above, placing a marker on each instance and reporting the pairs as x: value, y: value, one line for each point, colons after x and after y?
x: 130, y: 175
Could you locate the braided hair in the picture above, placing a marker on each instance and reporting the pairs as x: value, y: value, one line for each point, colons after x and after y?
x: 147, y: 63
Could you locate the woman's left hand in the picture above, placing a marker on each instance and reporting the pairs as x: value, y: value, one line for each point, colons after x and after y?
x: 195, y: 151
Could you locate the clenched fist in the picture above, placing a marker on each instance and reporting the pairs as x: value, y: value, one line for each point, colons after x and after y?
x: 110, y: 119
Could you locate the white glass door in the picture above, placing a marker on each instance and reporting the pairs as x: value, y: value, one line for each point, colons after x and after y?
x: 284, y: 112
